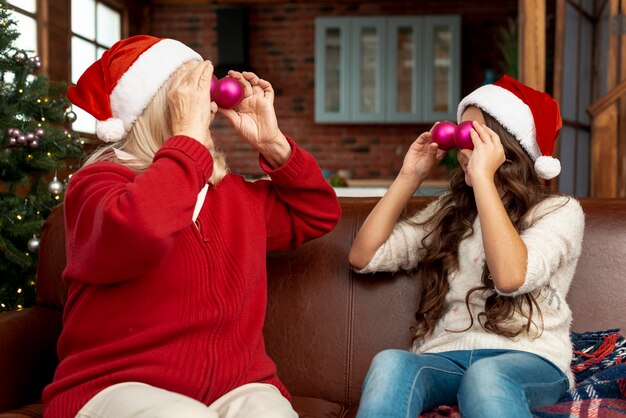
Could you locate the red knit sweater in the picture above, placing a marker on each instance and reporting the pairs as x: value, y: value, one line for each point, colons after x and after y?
x: 155, y: 298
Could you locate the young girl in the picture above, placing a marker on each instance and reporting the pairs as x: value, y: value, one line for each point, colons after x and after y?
x: 166, y: 250
x: 495, y: 256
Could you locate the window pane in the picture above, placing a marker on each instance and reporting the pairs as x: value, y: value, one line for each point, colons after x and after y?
x: 109, y: 25
x: 369, y: 45
x: 27, y: 5
x: 332, y: 73
x: 404, y: 70
x: 83, y: 18
x: 27, y: 28
x: 100, y: 52
x: 442, y: 50
x: 84, y: 121
x: 83, y: 55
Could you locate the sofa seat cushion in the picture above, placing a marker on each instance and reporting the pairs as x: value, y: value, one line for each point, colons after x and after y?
x: 29, y: 411
x: 308, y: 407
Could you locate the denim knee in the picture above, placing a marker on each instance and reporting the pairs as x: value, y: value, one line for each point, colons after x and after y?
x: 388, y: 366
x: 484, y: 379
x: 487, y: 390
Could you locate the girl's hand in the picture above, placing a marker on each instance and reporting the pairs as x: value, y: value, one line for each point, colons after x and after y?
x: 488, y: 154
x: 422, y: 156
x: 189, y: 102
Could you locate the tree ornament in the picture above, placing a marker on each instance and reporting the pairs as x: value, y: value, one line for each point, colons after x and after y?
x: 34, y: 143
x: 463, y: 136
x: 55, y: 187
x: 39, y: 132
x: 229, y: 93
x: 22, y: 140
x: 33, y: 244
x: 20, y: 56
x: 214, y: 85
x: 70, y: 117
x: 36, y: 61
x: 443, y: 135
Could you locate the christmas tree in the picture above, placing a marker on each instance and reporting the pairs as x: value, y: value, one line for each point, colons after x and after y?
x: 36, y: 149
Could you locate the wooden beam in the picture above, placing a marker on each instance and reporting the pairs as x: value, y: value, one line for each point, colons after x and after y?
x: 611, y: 96
x: 559, y: 50
x: 621, y: 126
x: 532, y: 43
x: 613, y: 51
x: 559, y: 57
x: 604, y: 152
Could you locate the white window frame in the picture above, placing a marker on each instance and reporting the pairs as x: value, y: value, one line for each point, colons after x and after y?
x: 15, y: 8
x: 98, y: 46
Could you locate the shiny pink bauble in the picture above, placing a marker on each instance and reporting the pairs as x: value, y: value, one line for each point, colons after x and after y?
x: 443, y: 135
x: 229, y: 93
x: 463, y: 137
x: 214, y: 86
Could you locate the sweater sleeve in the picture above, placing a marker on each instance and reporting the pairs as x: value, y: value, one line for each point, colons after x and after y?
x: 120, y: 224
x: 553, y: 240
x: 401, y: 250
x: 299, y: 204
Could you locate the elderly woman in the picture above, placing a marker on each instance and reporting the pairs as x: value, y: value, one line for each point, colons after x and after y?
x: 166, y: 249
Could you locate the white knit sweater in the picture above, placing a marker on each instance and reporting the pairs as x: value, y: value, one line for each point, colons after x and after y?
x: 554, y: 243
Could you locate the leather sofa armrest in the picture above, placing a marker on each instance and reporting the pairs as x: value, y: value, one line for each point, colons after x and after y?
x: 28, y: 358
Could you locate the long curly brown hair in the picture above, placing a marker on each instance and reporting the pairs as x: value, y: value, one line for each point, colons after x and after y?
x: 521, y: 189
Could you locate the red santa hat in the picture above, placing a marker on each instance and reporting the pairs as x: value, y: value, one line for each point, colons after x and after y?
x: 119, y: 86
x: 531, y: 116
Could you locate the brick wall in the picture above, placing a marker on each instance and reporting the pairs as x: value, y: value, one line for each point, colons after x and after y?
x: 281, y: 50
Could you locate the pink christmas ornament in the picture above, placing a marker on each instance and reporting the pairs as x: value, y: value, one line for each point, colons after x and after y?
x: 462, y: 135
x: 229, y: 93
x: 443, y: 135
x: 214, y: 87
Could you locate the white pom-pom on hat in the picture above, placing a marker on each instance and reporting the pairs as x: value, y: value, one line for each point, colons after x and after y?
x: 547, y: 167
x: 110, y: 130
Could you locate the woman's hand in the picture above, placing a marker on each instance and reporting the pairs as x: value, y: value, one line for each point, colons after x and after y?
x: 189, y: 101
x: 422, y: 156
x: 255, y: 121
x: 488, y: 154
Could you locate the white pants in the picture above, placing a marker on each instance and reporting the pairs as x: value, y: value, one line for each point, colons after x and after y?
x: 138, y: 400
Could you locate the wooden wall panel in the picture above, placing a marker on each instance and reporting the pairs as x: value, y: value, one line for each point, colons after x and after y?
x: 621, y: 137
x: 604, y: 152
x: 532, y: 43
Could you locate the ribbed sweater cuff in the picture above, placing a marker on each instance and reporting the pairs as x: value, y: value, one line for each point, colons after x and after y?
x: 193, y: 150
x: 289, y: 171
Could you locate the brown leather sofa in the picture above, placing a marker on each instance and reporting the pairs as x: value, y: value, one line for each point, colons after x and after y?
x: 324, y: 322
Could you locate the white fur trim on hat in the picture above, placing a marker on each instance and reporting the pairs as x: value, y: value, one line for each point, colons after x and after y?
x: 110, y: 130
x: 136, y: 88
x: 547, y: 167
x: 509, y: 110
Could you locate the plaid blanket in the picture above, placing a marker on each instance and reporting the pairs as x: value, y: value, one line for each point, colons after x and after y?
x: 599, y: 367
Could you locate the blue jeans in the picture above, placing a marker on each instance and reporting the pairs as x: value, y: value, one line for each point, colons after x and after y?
x: 483, y: 383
